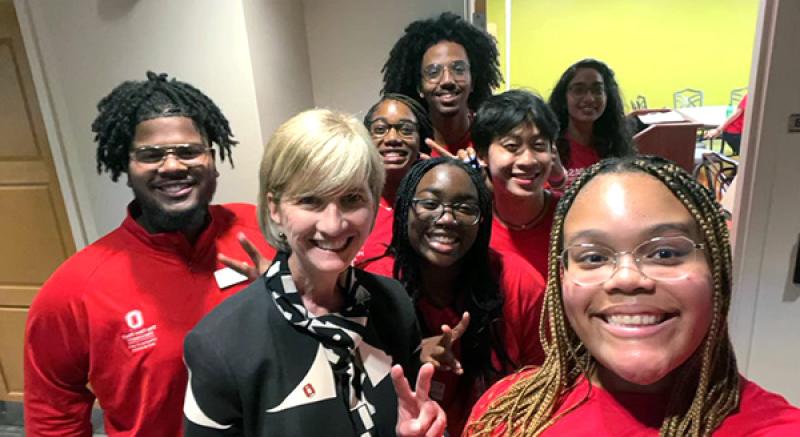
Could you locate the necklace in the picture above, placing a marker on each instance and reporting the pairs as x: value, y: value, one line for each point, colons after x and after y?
x: 533, y: 222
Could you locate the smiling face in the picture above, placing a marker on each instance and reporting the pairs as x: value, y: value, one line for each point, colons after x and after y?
x: 324, y: 234
x: 586, y: 96
x: 448, y: 94
x: 399, y: 150
x: 639, y: 330
x: 172, y: 194
x: 520, y: 161
x: 443, y: 242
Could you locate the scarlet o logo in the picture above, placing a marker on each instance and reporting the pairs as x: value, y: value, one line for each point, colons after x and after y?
x: 134, y: 319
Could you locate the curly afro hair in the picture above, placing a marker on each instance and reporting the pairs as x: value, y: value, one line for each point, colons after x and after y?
x: 133, y: 102
x: 401, y: 73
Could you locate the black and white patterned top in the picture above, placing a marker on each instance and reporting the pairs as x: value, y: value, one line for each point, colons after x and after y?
x: 260, y: 365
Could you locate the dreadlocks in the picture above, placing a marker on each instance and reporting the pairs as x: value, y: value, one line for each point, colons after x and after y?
x: 610, y: 136
x: 402, y: 71
x: 476, y: 283
x: 135, y: 101
x: 424, y: 126
x: 706, y: 391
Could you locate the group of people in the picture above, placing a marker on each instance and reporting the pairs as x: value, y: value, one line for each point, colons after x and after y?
x: 511, y: 259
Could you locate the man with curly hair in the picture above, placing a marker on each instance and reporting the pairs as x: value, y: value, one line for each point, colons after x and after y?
x: 109, y: 323
x: 450, y: 66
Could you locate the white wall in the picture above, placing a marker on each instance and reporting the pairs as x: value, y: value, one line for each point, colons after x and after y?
x: 279, y: 56
x: 765, y: 316
x: 349, y: 41
x: 86, y: 47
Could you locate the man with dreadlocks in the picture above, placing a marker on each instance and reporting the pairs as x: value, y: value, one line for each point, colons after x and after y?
x: 109, y: 324
x: 451, y: 66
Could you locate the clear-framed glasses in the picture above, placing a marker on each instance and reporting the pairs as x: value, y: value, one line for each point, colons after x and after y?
x: 189, y: 154
x: 380, y: 128
x: 433, y: 72
x: 465, y: 213
x: 660, y: 259
x: 580, y: 90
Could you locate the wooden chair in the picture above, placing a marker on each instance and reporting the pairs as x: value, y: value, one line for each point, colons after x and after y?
x: 687, y: 98
x: 715, y: 172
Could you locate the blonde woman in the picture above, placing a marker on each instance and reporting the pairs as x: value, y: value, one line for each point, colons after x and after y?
x: 635, y: 315
x: 309, y: 345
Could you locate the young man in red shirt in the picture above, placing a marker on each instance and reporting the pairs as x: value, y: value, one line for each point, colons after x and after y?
x: 109, y: 323
x: 450, y: 67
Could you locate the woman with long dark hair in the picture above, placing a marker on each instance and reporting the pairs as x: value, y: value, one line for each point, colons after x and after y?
x: 442, y: 229
x: 588, y: 104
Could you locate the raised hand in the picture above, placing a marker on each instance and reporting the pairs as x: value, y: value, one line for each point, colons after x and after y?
x: 417, y: 414
x: 438, y: 350
x: 260, y: 263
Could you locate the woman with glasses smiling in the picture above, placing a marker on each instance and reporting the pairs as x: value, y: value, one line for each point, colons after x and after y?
x: 589, y: 108
x: 478, y: 309
x: 635, y: 321
x: 399, y: 127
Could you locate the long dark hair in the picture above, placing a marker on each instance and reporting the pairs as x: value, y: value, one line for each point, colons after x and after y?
x: 401, y: 73
x: 477, y: 284
x: 610, y: 135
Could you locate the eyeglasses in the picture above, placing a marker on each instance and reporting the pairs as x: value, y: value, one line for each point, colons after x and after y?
x: 380, y: 129
x: 189, y: 154
x: 660, y: 259
x: 580, y: 90
x: 465, y: 213
x: 433, y: 72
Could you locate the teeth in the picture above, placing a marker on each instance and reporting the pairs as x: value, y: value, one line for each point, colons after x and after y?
x: 331, y: 245
x: 173, y: 188
x: 635, y: 320
x: 444, y: 239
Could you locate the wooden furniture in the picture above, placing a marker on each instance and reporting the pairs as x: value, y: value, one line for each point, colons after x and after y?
x: 674, y: 141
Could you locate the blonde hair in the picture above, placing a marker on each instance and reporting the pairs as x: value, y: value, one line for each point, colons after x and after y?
x: 707, y: 386
x: 320, y: 153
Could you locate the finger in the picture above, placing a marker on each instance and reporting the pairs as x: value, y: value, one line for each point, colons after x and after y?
x: 423, y: 382
x: 461, y: 326
x: 240, y: 267
x: 405, y: 398
x: 427, y: 417
x: 424, y: 156
x: 439, y: 149
x: 259, y: 260
x: 439, y: 425
x: 447, y: 337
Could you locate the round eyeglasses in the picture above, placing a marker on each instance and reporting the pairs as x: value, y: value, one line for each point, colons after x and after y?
x: 380, y: 128
x: 465, y: 213
x: 434, y: 72
x: 660, y: 259
x: 189, y: 154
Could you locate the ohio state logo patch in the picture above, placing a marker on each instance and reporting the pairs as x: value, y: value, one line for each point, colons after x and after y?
x: 138, y: 337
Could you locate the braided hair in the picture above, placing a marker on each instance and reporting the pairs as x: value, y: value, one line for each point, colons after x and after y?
x: 476, y: 282
x: 424, y: 126
x: 133, y: 102
x: 402, y: 71
x: 706, y: 391
x: 610, y: 136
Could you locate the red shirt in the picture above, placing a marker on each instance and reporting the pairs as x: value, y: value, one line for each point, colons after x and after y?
x: 760, y: 413
x: 580, y: 157
x: 465, y: 142
x: 737, y: 125
x: 523, y: 291
x: 114, y: 316
x: 531, y: 244
x: 371, y: 256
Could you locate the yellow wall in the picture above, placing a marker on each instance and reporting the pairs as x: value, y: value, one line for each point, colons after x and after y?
x: 655, y: 47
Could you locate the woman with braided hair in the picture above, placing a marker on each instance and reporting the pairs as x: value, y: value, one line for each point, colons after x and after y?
x: 635, y: 319
x: 477, y: 308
